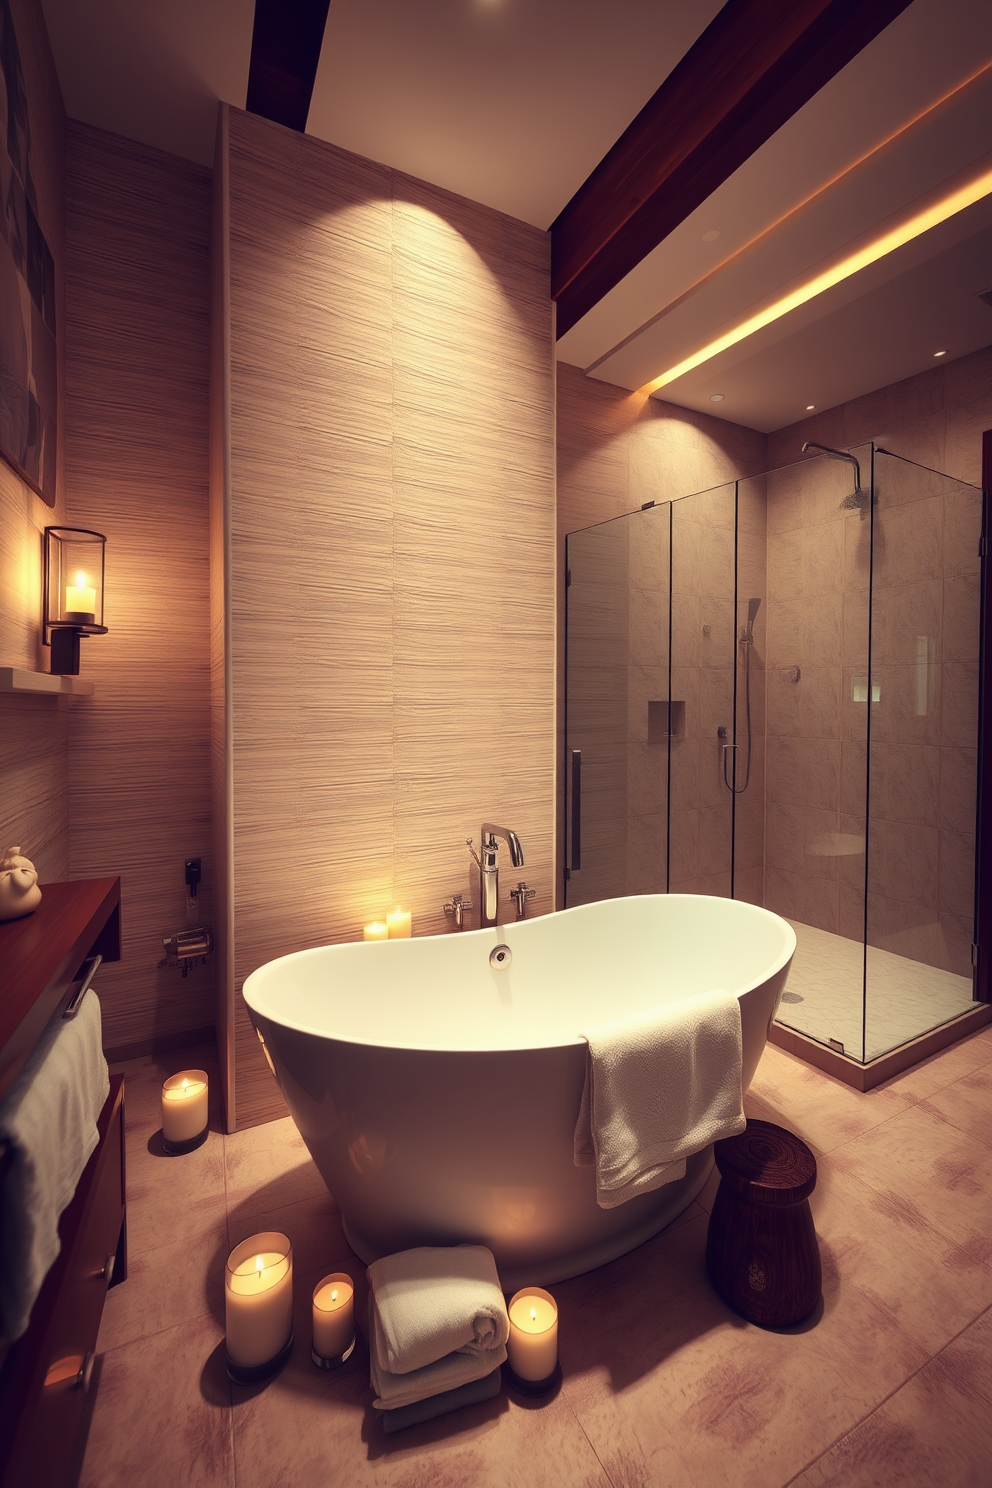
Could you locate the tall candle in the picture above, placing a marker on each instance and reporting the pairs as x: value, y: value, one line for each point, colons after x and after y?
x: 333, y: 1315
x: 184, y: 1106
x: 378, y: 930
x: 532, y: 1347
x: 80, y: 597
x: 400, y: 923
x: 258, y: 1296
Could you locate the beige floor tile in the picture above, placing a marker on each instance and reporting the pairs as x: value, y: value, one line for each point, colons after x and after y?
x: 918, y: 1159
x: 823, y: 1111
x: 165, y: 1286
x: 689, y: 1394
x: 269, y: 1166
x: 171, y: 1198
x: 967, y: 1104
x: 936, y: 1431
x: 162, y: 1413
x: 942, y: 1069
x: 931, y: 1286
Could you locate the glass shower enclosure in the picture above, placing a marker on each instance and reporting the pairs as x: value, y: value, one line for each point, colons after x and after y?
x: 772, y: 694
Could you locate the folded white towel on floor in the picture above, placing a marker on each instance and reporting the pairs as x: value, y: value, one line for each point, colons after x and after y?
x: 433, y: 1301
x: 659, y: 1087
x: 48, y: 1119
x: 394, y: 1390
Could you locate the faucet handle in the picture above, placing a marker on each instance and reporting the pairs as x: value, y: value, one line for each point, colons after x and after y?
x: 456, y: 906
x: 521, y: 894
x: 478, y: 860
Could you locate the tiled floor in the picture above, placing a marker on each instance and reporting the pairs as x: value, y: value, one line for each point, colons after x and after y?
x: 890, y: 1384
x: 904, y: 999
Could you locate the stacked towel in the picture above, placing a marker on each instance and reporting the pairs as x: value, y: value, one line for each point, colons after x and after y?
x: 659, y: 1087
x: 49, y: 1121
x: 437, y: 1321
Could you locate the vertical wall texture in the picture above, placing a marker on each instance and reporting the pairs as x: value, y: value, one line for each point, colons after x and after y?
x: 34, y: 730
x: 392, y: 545
x: 138, y: 224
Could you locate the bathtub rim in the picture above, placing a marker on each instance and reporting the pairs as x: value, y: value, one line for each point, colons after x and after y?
x: 258, y: 1009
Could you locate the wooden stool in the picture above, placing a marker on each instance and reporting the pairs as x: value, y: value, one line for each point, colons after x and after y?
x: 761, y: 1250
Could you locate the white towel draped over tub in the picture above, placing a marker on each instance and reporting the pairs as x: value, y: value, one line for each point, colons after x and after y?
x: 49, y: 1122
x: 660, y: 1086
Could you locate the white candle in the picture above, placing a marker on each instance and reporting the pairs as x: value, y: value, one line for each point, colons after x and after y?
x: 80, y: 597
x: 184, y: 1106
x: 333, y: 1315
x: 378, y: 930
x: 259, y: 1299
x: 532, y: 1347
x: 400, y: 923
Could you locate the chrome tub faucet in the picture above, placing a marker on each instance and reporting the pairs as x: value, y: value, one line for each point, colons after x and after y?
x: 488, y: 866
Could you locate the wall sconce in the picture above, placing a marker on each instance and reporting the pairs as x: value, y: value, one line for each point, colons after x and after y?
x: 73, y: 593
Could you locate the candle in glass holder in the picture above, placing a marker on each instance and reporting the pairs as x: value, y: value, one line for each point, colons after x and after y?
x: 258, y: 1294
x: 184, y: 1108
x: 532, y: 1347
x: 400, y: 922
x: 378, y: 930
x: 333, y: 1317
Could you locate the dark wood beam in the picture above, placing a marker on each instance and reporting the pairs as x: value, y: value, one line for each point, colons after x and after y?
x: 285, y: 48
x: 755, y: 65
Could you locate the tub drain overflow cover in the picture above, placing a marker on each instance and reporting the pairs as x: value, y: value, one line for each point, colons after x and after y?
x: 500, y: 957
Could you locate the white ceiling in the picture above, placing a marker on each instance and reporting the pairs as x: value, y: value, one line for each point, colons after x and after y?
x: 513, y: 102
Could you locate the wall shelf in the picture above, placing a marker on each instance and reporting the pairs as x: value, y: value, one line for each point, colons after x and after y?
x: 14, y: 679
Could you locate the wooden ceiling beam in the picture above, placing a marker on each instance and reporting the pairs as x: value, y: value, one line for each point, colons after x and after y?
x: 755, y: 65
x: 285, y: 48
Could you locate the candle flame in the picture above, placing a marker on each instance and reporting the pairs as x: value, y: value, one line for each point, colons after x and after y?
x: 259, y: 1265
x: 533, y: 1314
x: 185, y: 1083
x: 81, y: 581
x: 334, y: 1294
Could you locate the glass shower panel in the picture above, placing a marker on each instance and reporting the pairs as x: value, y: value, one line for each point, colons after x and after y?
x: 617, y: 713
x: 923, y: 751
x: 818, y: 554
x: 704, y: 760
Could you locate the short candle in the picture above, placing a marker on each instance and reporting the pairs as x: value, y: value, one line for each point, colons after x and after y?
x: 400, y: 922
x: 532, y: 1347
x: 259, y: 1299
x: 80, y: 599
x: 378, y: 930
x: 333, y: 1315
x: 184, y: 1106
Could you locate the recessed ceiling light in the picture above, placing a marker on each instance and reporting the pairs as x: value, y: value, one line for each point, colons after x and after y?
x: 716, y: 397
x: 810, y: 407
x: 711, y: 234
x: 956, y: 201
x: 940, y: 353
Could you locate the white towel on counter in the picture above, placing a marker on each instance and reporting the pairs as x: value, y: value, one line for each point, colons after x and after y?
x: 48, y: 1120
x: 436, y: 1300
x: 659, y: 1087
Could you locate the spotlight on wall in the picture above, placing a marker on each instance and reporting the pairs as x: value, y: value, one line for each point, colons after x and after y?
x: 72, y: 587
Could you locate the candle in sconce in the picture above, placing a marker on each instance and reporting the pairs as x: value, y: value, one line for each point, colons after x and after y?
x: 80, y: 599
x: 378, y: 930
x: 532, y: 1347
x: 400, y: 922
x: 258, y: 1296
x: 333, y: 1320
x: 185, y: 1110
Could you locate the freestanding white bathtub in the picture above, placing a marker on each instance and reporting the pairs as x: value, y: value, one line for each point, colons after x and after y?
x: 438, y: 1094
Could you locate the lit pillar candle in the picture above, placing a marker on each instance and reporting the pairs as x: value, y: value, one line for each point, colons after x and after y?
x: 80, y: 598
x: 378, y: 930
x: 333, y: 1315
x: 532, y: 1347
x: 259, y: 1299
x: 184, y: 1106
x: 400, y: 923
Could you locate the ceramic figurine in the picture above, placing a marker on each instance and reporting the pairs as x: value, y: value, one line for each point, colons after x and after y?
x: 19, y: 889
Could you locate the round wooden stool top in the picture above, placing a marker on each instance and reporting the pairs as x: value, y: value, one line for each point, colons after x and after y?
x: 766, y: 1164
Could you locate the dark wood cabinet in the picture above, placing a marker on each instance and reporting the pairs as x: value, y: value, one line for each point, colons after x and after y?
x: 45, y: 1375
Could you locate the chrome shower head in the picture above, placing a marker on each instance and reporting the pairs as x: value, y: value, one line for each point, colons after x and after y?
x: 857, y: 499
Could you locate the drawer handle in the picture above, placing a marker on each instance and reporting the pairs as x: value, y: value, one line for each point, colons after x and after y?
x: 92, y: 967
x: 73, y: 1373
x: 108, y: 1269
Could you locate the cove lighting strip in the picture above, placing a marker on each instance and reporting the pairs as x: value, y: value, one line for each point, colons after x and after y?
x: 913, y: 227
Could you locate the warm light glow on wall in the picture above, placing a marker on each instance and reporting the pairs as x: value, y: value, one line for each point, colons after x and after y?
x: 913, y: 227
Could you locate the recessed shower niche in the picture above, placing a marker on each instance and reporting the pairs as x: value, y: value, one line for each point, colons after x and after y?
x: 822, y: 758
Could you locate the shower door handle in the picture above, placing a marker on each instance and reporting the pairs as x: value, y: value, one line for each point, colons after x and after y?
x: 575, y: 813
